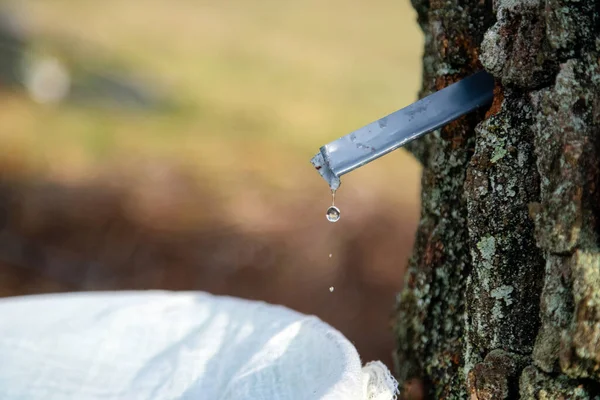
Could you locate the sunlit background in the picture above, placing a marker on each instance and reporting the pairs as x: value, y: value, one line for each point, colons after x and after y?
x: 166, y: 145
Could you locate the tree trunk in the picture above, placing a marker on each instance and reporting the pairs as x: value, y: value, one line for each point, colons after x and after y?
x: 502, y: 296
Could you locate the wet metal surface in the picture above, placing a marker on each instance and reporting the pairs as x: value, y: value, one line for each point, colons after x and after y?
x: 401, y: 127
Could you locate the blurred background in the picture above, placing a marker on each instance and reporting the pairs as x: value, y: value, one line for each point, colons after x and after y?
x: 166, y: 145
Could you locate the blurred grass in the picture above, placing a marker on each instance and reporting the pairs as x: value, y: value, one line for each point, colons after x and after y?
x: 262, y: 84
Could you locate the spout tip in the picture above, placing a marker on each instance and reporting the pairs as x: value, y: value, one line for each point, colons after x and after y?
x: 322, y: 166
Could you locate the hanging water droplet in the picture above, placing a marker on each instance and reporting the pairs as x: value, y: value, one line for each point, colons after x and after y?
x: 331, y: 288
x: 333, y: 214
x: 330, y: 255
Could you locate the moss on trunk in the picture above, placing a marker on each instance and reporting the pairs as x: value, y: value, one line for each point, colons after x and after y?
x: 502, y: 296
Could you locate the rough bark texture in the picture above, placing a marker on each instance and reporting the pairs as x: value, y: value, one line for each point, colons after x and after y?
x: 502, y: 298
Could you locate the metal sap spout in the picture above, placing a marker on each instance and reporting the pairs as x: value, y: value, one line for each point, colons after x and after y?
x: 403, y: 126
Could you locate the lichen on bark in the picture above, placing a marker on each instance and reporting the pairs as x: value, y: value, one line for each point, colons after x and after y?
x: 535, y: 385
x: 502, y: 295
x: 503, y: 288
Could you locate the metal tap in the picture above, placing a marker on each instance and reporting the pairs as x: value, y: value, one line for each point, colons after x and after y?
x: 403, y: 126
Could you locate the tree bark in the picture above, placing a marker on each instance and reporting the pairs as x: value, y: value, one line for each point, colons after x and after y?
x: 502, y: 295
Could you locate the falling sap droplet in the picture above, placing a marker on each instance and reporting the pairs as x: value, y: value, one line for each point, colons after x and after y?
x: 333, y: 213
x: 331, y: 288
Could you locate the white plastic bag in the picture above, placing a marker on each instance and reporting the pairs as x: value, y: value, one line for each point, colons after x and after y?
x: 176, y: 345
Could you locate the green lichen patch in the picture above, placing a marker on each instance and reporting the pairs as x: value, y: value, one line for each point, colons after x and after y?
x: 536, y: 385
x: 570, y: 26
x: 532, y: 37
x: 503, y: 293
x: 499, y: 152
x: 516, y: 49
x: 580, y: 346
x: 556, y: 312
x: 501, y: 314
x: 566, y: 143
x: 487, y: 247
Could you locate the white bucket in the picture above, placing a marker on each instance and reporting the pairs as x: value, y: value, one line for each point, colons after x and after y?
x: 176, y: 345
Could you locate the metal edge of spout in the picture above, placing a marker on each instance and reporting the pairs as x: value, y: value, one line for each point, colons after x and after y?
x: 321, y: 164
